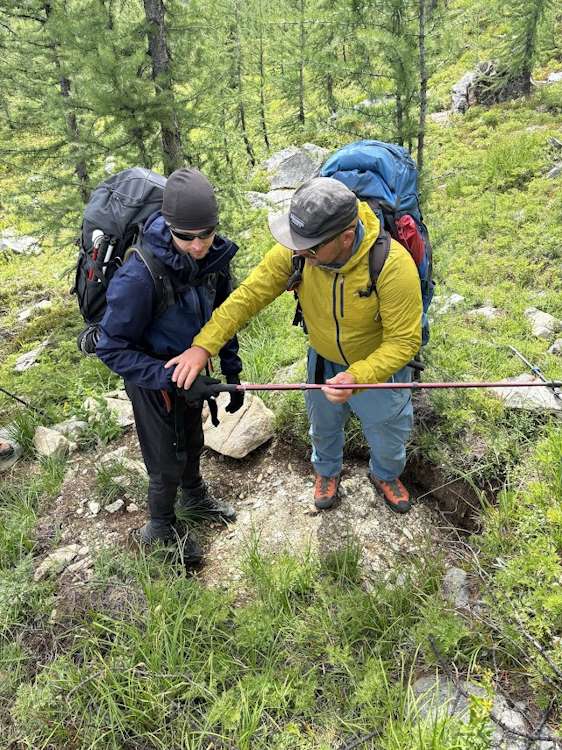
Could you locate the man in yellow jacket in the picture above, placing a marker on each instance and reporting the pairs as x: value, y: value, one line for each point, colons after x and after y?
x: 354, y: 336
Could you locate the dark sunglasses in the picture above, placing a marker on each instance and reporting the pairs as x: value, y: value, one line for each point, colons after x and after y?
x: 190, y: 236
x: 315, y: 248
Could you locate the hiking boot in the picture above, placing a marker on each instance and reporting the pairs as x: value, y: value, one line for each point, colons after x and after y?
x: 325, y: 491
x: 6, y: 450
x: 395, y: 495
x: 199, y: 503
x: 156, y: 535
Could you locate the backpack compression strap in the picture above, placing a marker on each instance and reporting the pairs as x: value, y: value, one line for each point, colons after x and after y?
x: 378, y: 253
x: 162, y: 282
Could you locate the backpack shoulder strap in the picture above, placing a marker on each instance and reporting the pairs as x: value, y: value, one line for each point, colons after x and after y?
x: 295, y: 278
x: 378, y: 253
x: 159, y: 273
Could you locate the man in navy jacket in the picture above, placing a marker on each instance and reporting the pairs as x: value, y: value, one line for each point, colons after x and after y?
x: 135, y: 343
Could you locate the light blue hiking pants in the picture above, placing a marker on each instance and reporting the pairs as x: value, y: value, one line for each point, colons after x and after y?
x: 386, y: 418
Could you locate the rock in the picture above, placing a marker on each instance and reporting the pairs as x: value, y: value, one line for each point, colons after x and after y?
x: 114, y: 507
x: 487, y: 311
x: 132, y: 508
x: 455, y: 588
x: 240, y: 433
x: 555, y: 77
x: 49, y: 442
x: 121, y: 409
x: 28, y: 359
x: 80, y: 566
x: 118, y: 456
x: 556, y: 348
x: 56, y: 562
x: 441, y: 118
x: 293, y: 165
x: 461, y: 93
x: 72, y: 428
x: 276, y: 200
x: 21, y: 245
x: 29, y: 312
x: 118, y: 393
x: 7, y: 462
x: 115, y: 456
x: 94, y: 507
x: 528, y: 399
x: 556, y: 171
x: 444, y: 304
x: 543, y: 324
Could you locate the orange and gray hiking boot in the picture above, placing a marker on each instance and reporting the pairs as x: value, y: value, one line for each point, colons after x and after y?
x: 325, y: 491
x: 395, y: 495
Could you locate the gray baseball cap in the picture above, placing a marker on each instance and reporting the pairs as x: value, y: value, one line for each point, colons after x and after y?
x: 320, y: 209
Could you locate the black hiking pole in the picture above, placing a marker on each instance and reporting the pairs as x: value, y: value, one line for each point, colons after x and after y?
x: 25, y: 403
x: 536, y: 370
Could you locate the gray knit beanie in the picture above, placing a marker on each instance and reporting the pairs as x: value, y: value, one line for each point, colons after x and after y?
x: 189, y: 200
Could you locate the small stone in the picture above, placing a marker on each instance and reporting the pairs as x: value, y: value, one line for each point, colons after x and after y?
x: 114, y: 507
x: 56, y: 561
x: 94, y: 507
x: 543, y: 324
x: 24, y: 315
x: 455, y: 587
x: 408, y: 534
x: 132, y: 508
x: 487, y: 311
x: 28, y: 359
x: 556, y: 348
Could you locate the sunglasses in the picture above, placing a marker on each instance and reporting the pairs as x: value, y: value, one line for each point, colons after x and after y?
x: 190, y: 236
x: 313, y: 251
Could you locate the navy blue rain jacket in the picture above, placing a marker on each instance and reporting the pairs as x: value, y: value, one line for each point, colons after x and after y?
x: 133, y: 342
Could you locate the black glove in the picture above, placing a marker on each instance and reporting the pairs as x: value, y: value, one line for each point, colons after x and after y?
x: 88, y: 339
x: 202, y: 390
x: 236, y: 397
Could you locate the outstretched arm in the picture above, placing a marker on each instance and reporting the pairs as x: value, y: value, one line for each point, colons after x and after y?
x: 266, y: 282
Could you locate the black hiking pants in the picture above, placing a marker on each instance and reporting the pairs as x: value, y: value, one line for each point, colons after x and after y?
x: 171, y: 440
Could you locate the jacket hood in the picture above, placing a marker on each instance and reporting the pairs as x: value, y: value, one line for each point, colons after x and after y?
x: 157, y: 237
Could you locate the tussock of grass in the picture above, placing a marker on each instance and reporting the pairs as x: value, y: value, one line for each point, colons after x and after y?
x: 310, y: 660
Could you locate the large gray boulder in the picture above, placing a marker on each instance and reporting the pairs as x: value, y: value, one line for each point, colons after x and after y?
x: 293, y: 165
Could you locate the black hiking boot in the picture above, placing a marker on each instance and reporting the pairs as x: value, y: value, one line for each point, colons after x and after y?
x: 159, y: 535
x: 198, y: 503
x: 6, y: 450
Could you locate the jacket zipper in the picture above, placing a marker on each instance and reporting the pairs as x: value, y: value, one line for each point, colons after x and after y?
x: 335, y: 312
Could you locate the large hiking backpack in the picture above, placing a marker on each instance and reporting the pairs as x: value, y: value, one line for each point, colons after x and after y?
x: 111, y: 226
x: 386, y: 177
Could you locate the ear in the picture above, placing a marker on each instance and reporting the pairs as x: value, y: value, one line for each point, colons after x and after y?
x: 348, y: 236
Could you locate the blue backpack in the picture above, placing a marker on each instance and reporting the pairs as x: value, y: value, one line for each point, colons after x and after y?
x: 386, y: 177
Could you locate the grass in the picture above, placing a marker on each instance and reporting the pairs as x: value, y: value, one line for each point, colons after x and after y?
x: 309, y: 661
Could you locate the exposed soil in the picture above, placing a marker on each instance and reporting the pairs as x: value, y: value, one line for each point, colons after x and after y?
x: 272, y: 493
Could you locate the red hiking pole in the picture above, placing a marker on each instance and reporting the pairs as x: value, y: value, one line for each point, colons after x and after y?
x: 415, y: 386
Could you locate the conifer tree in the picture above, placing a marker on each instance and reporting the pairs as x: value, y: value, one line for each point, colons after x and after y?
x: 520, y: 50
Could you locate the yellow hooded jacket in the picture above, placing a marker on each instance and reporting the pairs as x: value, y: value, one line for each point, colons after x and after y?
x: 376, y: 335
